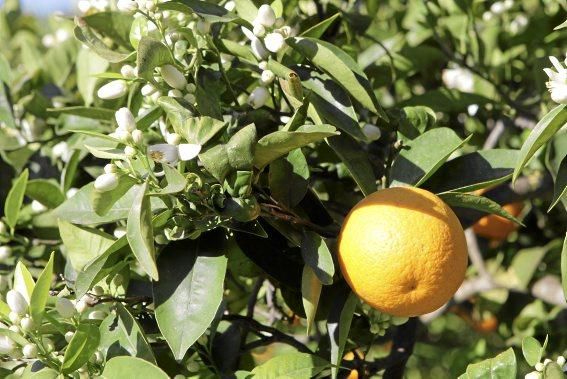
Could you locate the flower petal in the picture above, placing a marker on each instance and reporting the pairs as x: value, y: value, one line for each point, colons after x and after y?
x: 163, y: 153
x: 188, y: 151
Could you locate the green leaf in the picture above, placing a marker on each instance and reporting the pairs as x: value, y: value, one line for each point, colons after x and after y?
x: 479, y: 203
x: 553, y: 371
x: 291, y: 366
x: 79, y: 210
x: 138, y: 30
x: 564, y: 267
x: 23, y: 281
x: 46, y: 192
x: 560, y: 188
x: 532, y: 350
x: 289, y: 178
x: 103, y: 202
x: 236, y: 154
x: 418, y: 160
x: 121, y: 335
x: 83, y: 244
x: 176, y: 182
x: 446, y: 100
x: 85, y: 34
x: 86, y: 112
x: 246, y: 9
x: 88, y: 64
x: 338, y: 326
x: 543, y: 131
x: 198, y: 130
x: 101, y: 266
x: 310, y: 292
x: 5, y: 70
x: 502, y: 366
x: 279, y: 143
x: 140, y: 232
x: 415, y: 121
x: 356, y: 160
x: 341, y: 67
x: 317, y: 255
x: 81, y: 347
x: 151, y: 54
x: 14, y: 336
x: 485, y: 168
x: 190, y: 289
x: 40, y: 292
x: 317, y: 30
x: 15, y: 199
x: 132, y: 368
x: 208, y: 11
x: 115, y: 25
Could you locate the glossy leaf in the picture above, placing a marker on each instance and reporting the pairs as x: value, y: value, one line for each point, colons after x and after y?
x: 85, y: 34
x: 140, y: 234
x: 317, y: 30
x: 121, y: 335
x: 532, y: 350
x: 23, y: 281
x: 288, y: 178
x: 132, y: 368
x: 83, y: 244
x: 417, y: 161
x: 560, y: 188
x: 341, y: 67
x: 103, y: 202
x: 543, y: 131
x: 15, y: 199
x: 310, y: 292
x: 291, y: 366
x: 190, y: 289
x: 276, y: 144
x: 151, y: 54
x: 338, y: 325
x: 40, y: 292
x: 501, y: 366
x: 480, y: 203
x: 81, y: 347
x: 46, y: 192
x: 317, y: 255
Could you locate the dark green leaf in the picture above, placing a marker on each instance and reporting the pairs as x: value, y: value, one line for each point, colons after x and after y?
x: 316, y: 31
x: 310, y: 292
x: 46, y: 192
x: 560, y: 189
x: 289, y: 178
x: 291, y: 366
x: 85, y: 34
x: 480, y: 203
x: 317, y: 255
x: 151, y: 54
x: 87, y: 112
x: 338, y: 325
x: 115, y: 25
x: 190, y: 289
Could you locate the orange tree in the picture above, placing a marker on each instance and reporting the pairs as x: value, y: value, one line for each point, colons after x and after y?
x: 176, y: 178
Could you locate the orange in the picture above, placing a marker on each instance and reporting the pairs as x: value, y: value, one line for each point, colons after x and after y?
x: 403, y: 251
x: 496, y: 227
x: 353, y: 374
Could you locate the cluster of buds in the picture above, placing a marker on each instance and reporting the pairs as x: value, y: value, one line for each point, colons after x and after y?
x: 557, y: 84
x: 21, y: 323
x: 540, y: 367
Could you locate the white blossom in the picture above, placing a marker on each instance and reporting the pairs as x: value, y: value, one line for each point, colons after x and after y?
x: 258, y: 48
x: 7, y: 346
x: 61, y: 150
x: 125, y: 119
x: 65, y: 307
x: 128, y: 6
x: 71, y: 192
x: 17, y: 302
x: 188, y: 151
x: 166, y: 153
x: 533, y: 375
x: 561, y: 360
x: 230, y: 6
x: 110, y: 168
x: 175, y: 93
x: 5, y: 252
x: 274, y: 42
x: 129, y: 71
x: 113, y: 90
x: 458, y: 78
x: 203, y: 26
x: 137, y: 137
x: 173, y: 139
x: 62, y: 35
x: 129, y: 151
x: 97, y: 315
x: 106, y: 182
x: 259, y: 30
x: 48, y: 40
x: 29, y: 351
x: 258, y: 97
x: 37, y: 207
x: 372, y: 132
x: 119, y: 232
x: 69, y: 336
x: 267, y: 77
x: 148, y: 90
x: 557, y: 84
x: 27, y: 324
x: 173, y: 77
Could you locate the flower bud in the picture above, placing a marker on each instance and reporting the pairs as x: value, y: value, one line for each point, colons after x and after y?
x: 16, y: 302
x: 65, y: 307
x: 258, y: 49
x: 128, y: 6
x: 137, y: 137
x: 533, y: 375
x: 266, y: 16
x: 258, y: 97
x: 5, y: 252
x: 274, y: 42
x: 174, y: 93
x: 98, y: 291
x: 259, y: 30
x: 118, y: 279
x: 14, y: 328
x: 203, y: 26
x: 68, y: 336
x: 150, y: 5
x: 230, y: 5
x: 106, y: 182
x: 7, y: 346
x: 267, y: 77
x: 122, y: 135
x: 539, y: 366
x: 3, y: 228
x: 372, y: 132
x: 279, y: 22
x: 110, y: 168
x: 48, y: 344
x: 113, y: 90
x: 27, y: 324
x: 285, y: 31
x: 37, y: 207
x: 191, y: 88
x: 81, y: 306
x: 71, y: 192
x: 128, y: 71
x: 190, y: 98
x: 29, y: 351
x: 125, y: 119
x: 561, y: 360
x: 173, y: 139
x: 14, y: 317
x: 129, y: 151
x: 173, y: 77
x: 148, y: 90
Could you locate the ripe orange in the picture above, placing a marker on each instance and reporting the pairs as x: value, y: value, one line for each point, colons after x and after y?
x: 403, y: 251
x: 353, y: 374
x: 498, y: 228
